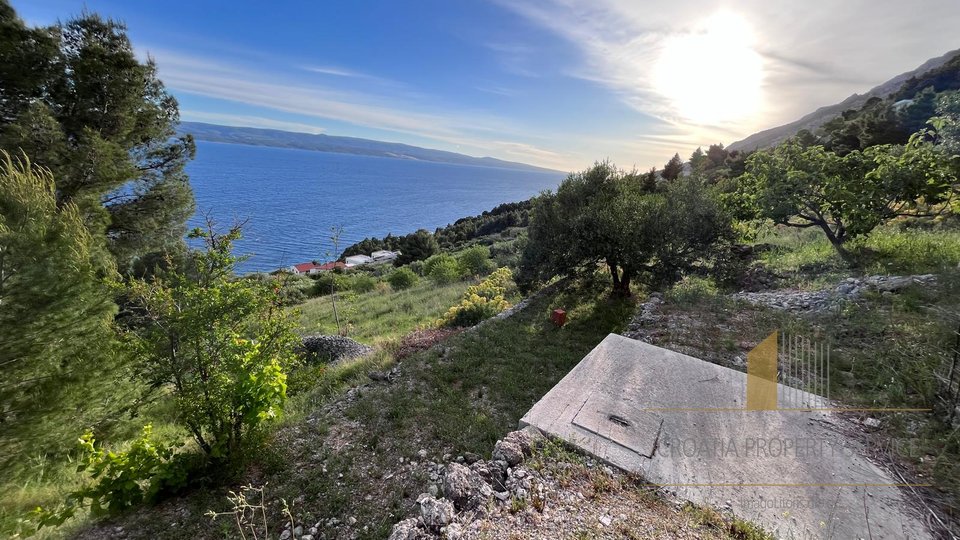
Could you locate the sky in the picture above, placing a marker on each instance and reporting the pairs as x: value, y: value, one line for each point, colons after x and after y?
x: 555, y: 83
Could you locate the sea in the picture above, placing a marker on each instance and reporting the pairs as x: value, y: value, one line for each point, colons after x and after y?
x: 289, y: 200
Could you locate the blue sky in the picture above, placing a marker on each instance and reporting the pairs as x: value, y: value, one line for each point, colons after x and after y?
x: 557, y: 83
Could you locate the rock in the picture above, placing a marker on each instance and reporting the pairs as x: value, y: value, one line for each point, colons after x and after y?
x: 408, y: 529
x: 846, y: 287
x: 465, y: 487
x: 422, y: 454
x: 872, y: 423
x: 285, y: 534
x: 323, y: 348
x: 458, y: 484
x: 527, y: 438
x: 436, y: 513
x: 605, y: 520
x: 298, y: 531
x: 454, y: 531
x: 378, y: 376
x: 307, y: 537
x: 493, y: 473
x: 509, y: 451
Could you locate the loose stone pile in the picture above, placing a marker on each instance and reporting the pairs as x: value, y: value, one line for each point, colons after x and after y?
x: 322, y: 348
x: 847, y: 290
x: 470, y: 488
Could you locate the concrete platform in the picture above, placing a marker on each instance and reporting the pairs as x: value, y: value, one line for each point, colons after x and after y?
x: 681, y: 422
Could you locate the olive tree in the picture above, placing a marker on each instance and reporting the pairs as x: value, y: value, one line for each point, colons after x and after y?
x: 605, y: 216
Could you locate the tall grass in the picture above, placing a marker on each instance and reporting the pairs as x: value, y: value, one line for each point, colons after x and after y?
x: 382, y: 314
x: 887, y: 250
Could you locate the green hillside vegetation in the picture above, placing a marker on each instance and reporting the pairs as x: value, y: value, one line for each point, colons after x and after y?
x: 138, y: 370
x: 485, y: 228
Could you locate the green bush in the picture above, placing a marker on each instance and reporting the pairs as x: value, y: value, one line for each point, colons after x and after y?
x: 324, y: 284
x: 218, y: 343
x: 438, y: 259
x: 445, y: 271
x: 357, y: 282
x: 291, y: 289
x: 475, y: 261
x: 362, y: 283
x: 692, y: 289
x: 402, y: 278
x: 121, y: 479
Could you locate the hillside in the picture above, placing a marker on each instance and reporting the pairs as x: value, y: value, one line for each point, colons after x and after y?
x: 340, y: 145
x: 813, y: 121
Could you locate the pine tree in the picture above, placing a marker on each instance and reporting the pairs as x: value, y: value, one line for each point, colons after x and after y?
x: 673, y: 168
x: 104, y: 125
x: 55, y: 311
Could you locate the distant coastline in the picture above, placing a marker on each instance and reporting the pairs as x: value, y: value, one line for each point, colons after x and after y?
x: 291, y: 197
x: 342, y: 145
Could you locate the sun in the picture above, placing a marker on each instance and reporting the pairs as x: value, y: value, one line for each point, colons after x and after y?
x: 713, y: 74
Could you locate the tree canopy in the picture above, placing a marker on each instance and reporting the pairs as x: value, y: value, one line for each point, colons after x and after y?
x: 55, y: 308
x: 103, y: 124
x: 222, y: 345
x: 847, y: 196
x: 673, y: 168
x: 604, y: 215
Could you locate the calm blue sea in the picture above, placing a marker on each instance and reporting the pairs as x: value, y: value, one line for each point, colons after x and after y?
x: 291, y: 198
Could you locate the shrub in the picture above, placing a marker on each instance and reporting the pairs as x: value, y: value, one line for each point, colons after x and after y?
x: 440, y: 258
x: 475, y: 261
x: 324, y: 284
x: 402, y: 278
x: 362, y: 283
x: 122, y: 479
x: 220, y: 344
x: 444, y: 271
x: 692, y: 289
x: 480, y: 301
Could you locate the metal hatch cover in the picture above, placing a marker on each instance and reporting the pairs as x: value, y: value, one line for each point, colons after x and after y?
x: 618, y: 422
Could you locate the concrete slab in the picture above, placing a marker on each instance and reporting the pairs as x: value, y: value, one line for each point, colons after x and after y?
x: 682, y: 423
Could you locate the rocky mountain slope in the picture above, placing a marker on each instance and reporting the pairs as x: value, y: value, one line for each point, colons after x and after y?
x: 813, y: 121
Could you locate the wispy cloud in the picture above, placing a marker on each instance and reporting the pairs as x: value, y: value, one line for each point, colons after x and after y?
x: 516, y: 58
x: 517, y: 150
x: 462, y: 131
x: 337, y: 71
x: 497, y: 90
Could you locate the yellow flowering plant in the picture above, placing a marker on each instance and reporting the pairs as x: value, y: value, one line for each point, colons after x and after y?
x: 480, y: 301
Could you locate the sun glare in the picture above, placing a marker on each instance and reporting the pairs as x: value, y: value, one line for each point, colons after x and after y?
x: 712, y: 74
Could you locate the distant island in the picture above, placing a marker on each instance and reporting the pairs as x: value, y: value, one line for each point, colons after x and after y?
x: 341, y: 145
